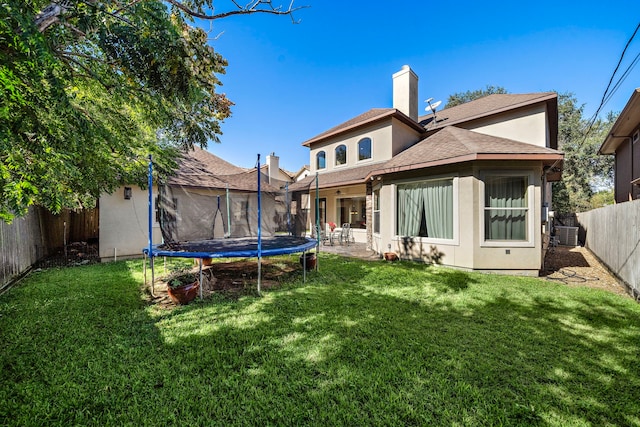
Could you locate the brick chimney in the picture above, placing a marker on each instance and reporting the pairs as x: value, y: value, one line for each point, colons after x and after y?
x: 405, y: 92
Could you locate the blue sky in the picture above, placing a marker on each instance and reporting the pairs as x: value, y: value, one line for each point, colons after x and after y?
x: 292, y: 82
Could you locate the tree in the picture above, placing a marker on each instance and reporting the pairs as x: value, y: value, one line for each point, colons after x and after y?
x: 90, y: 88
x: 470, y: 95
x: 585, y: 172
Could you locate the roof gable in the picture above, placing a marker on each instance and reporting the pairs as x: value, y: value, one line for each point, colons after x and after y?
x: 201, y: 169
x: 371, y: 116
x: 202, y: 161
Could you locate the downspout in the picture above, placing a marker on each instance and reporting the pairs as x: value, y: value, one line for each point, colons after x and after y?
x: 545, y: 205
x: 547, y: 171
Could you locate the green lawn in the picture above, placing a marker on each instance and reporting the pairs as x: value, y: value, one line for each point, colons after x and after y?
x: 361, y: 343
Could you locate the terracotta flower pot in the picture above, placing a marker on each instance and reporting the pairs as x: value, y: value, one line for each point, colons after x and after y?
x: 390, y: 256
x: 183, y: 294
x: 311, y: 260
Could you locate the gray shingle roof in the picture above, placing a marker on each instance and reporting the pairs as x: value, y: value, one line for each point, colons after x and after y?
x: 483, y: 107
x: 454, y: 145
x: 338, y: 178
x: 202, y: 169
x: 370, y: 116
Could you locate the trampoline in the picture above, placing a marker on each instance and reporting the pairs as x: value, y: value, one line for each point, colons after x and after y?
x: 227, y: 247
x: 246, y: 247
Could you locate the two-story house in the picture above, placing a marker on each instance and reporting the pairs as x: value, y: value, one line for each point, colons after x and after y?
x: 623, y: 141
x: 466, y: 186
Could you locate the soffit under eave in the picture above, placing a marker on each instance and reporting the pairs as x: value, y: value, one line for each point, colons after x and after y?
x: 624, y: 126
x: 351, y: 183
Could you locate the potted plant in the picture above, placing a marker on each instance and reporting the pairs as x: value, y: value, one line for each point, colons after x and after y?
x: 332, y: 225
x: 182, y: 286
x: 390, y: 256
x: 310, y: 260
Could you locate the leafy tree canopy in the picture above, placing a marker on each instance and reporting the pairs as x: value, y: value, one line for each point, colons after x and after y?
x: 585, y: 172
x: 91, y: 88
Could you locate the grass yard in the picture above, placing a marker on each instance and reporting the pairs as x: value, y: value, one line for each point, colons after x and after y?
x: 361, y: 343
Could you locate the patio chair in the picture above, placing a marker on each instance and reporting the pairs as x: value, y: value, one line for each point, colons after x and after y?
x: 320, y: 234
x: 346, y: 235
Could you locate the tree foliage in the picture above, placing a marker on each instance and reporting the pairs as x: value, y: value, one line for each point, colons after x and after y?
x: 91, y: 88
x: 585, y: 172
x: 470, y: 95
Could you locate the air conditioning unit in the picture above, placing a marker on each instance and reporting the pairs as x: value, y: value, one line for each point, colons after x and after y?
x: 567, y: 236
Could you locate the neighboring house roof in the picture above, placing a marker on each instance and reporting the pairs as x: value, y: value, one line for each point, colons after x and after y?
x: 490, y: 105
x: 198, y: 160
x: 455, y: 145
x: 347, y: 176
x: 300, y: 171
x: 371, y: 116
x: 626, y: 123
x: 202, y: 169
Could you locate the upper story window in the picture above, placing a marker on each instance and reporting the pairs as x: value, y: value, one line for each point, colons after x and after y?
x: 321, y: 160
x: 341, y: 155
x: 364, y: 149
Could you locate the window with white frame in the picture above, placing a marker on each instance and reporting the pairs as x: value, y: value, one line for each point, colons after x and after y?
x: 364, y: 149
x: 506, y: 208
x: 426, y: 209
x: 321, y: 158
x: 376, y: 211
x: 341, y: 154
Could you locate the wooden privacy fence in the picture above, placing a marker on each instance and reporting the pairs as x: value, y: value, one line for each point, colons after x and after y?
x: 38, y: 234
x: 612, y: 233
x: 21, y: 245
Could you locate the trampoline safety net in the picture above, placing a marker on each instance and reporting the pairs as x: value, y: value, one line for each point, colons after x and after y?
x: 224, y: 206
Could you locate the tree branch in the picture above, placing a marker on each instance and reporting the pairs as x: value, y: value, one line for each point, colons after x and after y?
x: 50, y: 15
x: 253, y: 7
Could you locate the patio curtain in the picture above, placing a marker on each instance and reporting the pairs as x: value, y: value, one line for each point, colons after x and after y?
x: 438, y: 207
x: 425, y: 209
x: 409, y: 209
x: 506, y: 208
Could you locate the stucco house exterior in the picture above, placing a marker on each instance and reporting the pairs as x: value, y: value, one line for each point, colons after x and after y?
x: 623, y: 141
x: 123, y: 224
x: 468, y: 186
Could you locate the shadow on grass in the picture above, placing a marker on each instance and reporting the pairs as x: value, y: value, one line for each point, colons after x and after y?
x: 359, y: 343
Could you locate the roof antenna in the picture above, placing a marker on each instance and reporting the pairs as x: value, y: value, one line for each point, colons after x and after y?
x: 432, y: 107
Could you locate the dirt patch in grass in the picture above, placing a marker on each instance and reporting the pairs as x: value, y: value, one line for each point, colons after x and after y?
x: 234, y: 279
x: 577, y: 266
